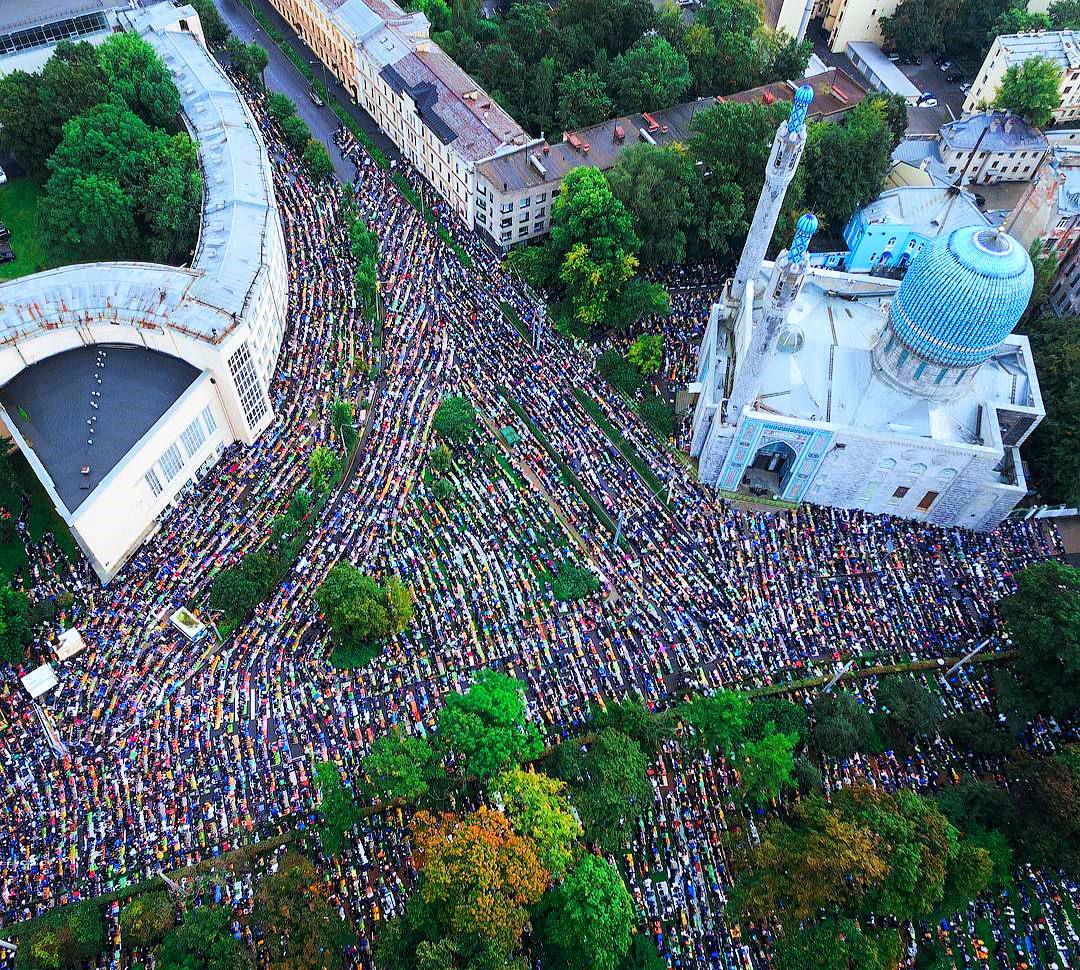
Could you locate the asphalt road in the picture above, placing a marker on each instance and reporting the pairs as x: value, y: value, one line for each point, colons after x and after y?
x: 282, y: 75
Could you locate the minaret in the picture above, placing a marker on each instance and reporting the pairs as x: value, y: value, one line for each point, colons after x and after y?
x: 786, y: 281
x: 787, y: 149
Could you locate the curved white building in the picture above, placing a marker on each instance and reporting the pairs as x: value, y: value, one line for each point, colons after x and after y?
x: 122, y: 382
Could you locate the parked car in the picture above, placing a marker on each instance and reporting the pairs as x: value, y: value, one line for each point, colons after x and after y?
x: 966, y: 86
x: 939, y: 59
x: 916, y: 59
x: 927, y: 100
x: 894, y: 56
x: 908, y: 59
x: 6, y: 252
x: 315, y: 99
x: 944, y: 66
x: 980, y: 199
x: 4, y: 231
x: 3, y: 176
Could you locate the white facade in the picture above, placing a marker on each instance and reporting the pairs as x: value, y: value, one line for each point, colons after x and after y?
x: 1060, y: 46
x: 437, y: 116
x: 225, y: 315
x: 854, y: 20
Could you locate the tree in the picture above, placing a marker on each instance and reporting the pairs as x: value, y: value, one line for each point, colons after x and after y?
x: 539, y: 811
x: 455, y: 419
x: 439, y: 459
x: 610, y: 787
x: 204, y: 941
x: 968, y: 875
x: 1045, y: 262
x: 65, y: 938
x: 35, y: 107
x: 632, y: 718
x: 732, y: 142
x: 974, y: 28
x: 573, y: 583
x: 146, y: 919
x: 400, y: 604
x: 642, y: 954
x: 658, y: 415
x: 583, y: 100
x: 1043, y: 620
x: 587, y: 919
x: 770, y: 714
x: 336, y: 807
x: 651, y: 75
x: 646, y: 352
x: 1045, y: 828
x: 213, y: 26
x: 974, y: 804
x: 296, y: 132
x: 399, y: 766
x: 249, y: 59
x: 618, y: 371
x: 645, y: 173
x: 360, y: 612
x: 718, y: 721
x: 1052, y: 451
x: 842, y: 725
x: 486, y: 726
x: 300, y: 928
x: 14, y: 624
x: 478, y: 875
x: 175, y: 185
x: 767, y: 766
x: 1065, y: 14
x: 860, y: 148
x: 323, y: 467
x: 317, y: 161
x: 837, y: 944
x: 139, y: 77
x: 979, y: 733
x: 342, y: 416
x: 86, y: 218
x: 917, y: 26
x: 1032, y: 90
x: 281, y: 107
x: 909, y: 706
x: 1017, y: 20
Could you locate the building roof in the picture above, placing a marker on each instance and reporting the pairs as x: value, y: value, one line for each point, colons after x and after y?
x: 21, y: 14
x: 137, y: 386
x: 1004, y: 132
x: 884, y: 70
x: 1060, y: 46
x: 829, y: 374
x: 925, y: 153
x: 239, y: 209
x: 600, y: 145
x: 929, y: 211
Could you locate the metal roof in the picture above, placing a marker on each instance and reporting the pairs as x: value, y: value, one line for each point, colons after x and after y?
x: 1060, y: 46
x: 929, y: 211
x: 1005, y: 132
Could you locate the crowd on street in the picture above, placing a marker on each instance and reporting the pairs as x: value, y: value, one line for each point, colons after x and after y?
x: 179, y: 751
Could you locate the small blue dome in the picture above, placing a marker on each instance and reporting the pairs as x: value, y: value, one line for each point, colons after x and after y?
x: 800, y: 105
x: 962, y: 296
x: 804, y: 231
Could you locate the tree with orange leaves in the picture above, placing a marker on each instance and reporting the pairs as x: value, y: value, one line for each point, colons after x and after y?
x: 478, y: 875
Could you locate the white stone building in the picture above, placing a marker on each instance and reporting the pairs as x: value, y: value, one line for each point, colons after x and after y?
x: 853, y: 391
x: 1009, y: 50
x: 989, y: 147
x: 123, y: 382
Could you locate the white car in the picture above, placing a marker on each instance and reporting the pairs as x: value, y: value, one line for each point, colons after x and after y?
x: 3, y: 176
x: 945, y: 65
x: 926, y: 101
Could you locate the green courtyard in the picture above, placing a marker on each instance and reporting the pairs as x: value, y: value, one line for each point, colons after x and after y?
x: 18, y: 211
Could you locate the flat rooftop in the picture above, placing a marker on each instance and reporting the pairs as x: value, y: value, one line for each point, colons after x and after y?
x: 20, y: 14
x: 50, y: 404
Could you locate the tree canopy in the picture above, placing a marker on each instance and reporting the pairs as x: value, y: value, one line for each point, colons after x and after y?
x: 539, y: 810
x: 362, y: 612
x: 1032, y: 90
x: 204, y: 941
x: 399, y: 766
x: 14, y: 624
x: 455, y: 419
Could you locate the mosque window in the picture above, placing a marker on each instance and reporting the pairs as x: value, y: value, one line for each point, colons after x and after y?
x: 920, y: 369
x: 887, y: 463
x: 248, y: 388
x: 900, y: 492
x: 926, y: 501
x: 192, y: 437
x: 941, y: 376
x: 918, y: 468
x: 947, y: 473
x: 170, y: 461
x: 154, y: 482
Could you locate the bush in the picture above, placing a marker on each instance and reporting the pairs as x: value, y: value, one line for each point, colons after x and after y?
x: 619, y: 372
x: 574, y: 583
x: 658, y: 415
x: 146, y: 919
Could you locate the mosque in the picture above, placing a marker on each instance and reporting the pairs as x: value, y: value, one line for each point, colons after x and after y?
x: 910, y: 398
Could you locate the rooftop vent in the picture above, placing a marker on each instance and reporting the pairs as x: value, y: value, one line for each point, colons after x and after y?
x: 620, y: 133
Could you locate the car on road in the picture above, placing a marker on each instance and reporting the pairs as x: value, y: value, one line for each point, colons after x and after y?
x: 927, y: 100
x: 315, y: 99
x: 944, y: 66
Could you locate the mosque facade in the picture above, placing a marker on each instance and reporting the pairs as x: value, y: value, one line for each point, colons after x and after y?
x: 910, y: 398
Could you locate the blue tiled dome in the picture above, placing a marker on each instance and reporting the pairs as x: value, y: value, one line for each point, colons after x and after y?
x: 962, y: 296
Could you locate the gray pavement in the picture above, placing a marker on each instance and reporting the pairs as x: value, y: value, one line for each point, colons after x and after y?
x: 929, y: 77
x: 281, y: 75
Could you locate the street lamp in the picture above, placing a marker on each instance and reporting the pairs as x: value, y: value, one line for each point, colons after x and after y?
x: 323, y: 66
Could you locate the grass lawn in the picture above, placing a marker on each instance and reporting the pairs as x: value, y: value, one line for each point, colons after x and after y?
x: 18, y: 211
x: 41, y: 518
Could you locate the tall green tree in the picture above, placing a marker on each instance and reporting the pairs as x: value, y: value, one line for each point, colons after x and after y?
x: 1032, y: 90
x: 645, y: 173
x: 1065, y: 14
x: 139, y: 77
x: 455, y: 419
x: 317, y: 160
x: 917, y: 26
x: 651, y: 75
x: 399, y: 766
x: 486, y: 727
x: 204, y: 941
x: 1043, y: 619
x: 249, y: 59
x: 632, y: 718
x: 214, y: 28
x: 587, y: 919
x: 539, y: 810
x: 323, y: 467
x: 837, y: 944
x: 767, y: 766
x: 146, y: 919
x: 718, y: 721
x: 909, y: 706
x: 583, y: 100
x: 14, y: 624
x: 337, y: 808
x: 842, y: 725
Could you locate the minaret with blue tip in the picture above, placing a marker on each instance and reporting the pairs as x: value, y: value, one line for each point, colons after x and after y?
x: 787, y: 149
x: 786, y: 281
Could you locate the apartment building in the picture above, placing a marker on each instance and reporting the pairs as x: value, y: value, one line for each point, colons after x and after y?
x: 1009, y: 50
x: 991, y: 146
x: 435, y: 113
x: 515, y: 189
x: 845, y: 21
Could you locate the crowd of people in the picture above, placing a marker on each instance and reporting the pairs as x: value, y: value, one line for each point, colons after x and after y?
x: 181, y: 751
